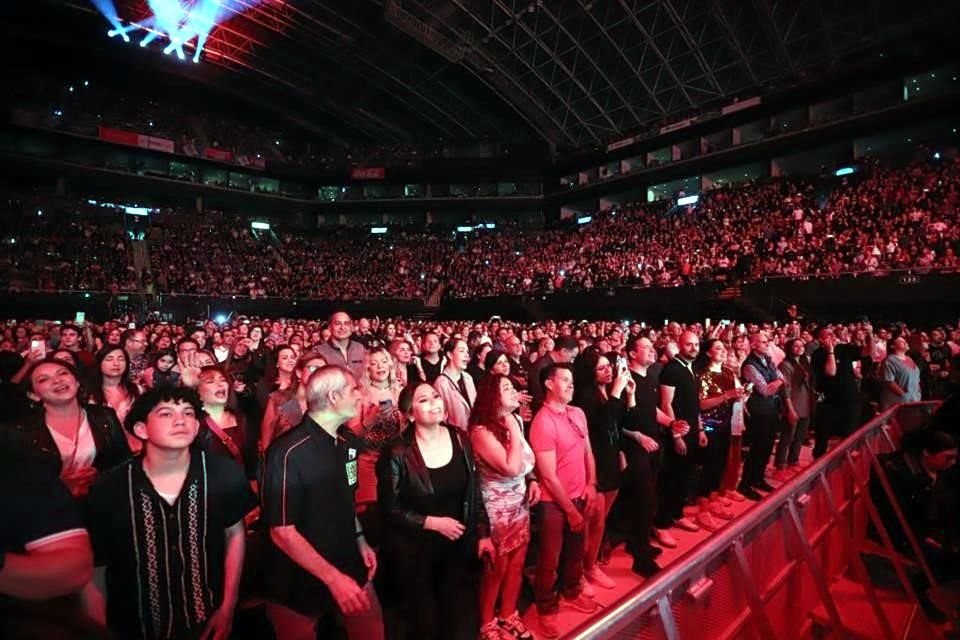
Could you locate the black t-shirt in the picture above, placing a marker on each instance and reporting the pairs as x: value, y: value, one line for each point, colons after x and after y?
x: 449, y: 484
x: 648, y: 399
x: 841, y: 388
x: 35, y: 508
x: 432, y: 371
x: 686, y: 399
x: 165, y: 562
x: 309, y: 482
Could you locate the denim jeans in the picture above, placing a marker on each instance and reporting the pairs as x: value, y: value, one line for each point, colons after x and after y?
x: 560, y: 549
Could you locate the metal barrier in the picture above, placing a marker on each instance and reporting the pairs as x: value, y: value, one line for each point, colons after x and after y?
x: 773, y: 572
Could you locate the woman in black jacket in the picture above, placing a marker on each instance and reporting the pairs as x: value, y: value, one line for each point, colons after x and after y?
x: 72, y: 440
x: 437, y: 526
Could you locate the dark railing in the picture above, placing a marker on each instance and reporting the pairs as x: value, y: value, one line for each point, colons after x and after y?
x: 909, y: 296
x: 769, y: 574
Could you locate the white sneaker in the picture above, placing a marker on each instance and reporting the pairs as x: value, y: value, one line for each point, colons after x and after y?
x: 707, y: 521
x: 586, y: 589
x: 597, y: 577
x: 664, y: 539
x: 686, y: 524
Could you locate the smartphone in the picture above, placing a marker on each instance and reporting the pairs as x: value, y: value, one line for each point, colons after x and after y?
x: 80, y: 317
x: 132, y: 325
x: 39, y: 345
x: 621, y: 364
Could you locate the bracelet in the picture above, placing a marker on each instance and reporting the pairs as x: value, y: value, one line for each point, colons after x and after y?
x: 677, y: 436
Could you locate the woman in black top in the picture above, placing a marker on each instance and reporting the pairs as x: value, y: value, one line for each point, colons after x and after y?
x: 71, y: 440
x: 605, y: 396
x: 429, y: 492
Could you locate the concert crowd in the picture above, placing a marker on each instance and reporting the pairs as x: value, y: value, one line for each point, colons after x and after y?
x: 874, y: 222
x: 371, y: 478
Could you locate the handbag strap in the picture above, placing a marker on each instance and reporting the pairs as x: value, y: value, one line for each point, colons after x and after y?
x: 227, y: 441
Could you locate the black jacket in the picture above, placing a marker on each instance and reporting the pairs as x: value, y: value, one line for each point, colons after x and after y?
x: 29, y: 438
x: 404, y: 486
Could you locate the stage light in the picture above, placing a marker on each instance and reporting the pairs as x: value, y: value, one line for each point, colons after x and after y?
x: 844, y: 171
x: 936, y: 156
x: 464, y: 229
x: 220, y: 318
x: 179, y: 21
x: 86, y: 83
x: 378, y: 230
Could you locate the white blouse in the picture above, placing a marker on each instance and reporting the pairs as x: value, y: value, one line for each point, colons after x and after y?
x: 76, y: 454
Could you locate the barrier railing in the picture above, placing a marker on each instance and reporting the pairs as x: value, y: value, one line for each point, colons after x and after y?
x: 777, y: 572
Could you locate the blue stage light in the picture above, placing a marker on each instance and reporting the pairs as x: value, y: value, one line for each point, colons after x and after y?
x: 182, y: 22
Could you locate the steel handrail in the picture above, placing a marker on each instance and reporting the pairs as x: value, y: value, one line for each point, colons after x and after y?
x: 691, y: 564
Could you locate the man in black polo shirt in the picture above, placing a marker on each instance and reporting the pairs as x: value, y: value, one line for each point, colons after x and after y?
x: 168, y: 527
x: 680, y: 400
x: 323, y: 565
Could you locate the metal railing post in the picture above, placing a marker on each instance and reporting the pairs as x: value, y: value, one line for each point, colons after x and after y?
x: 757, y: 610
x: 857, y: 562
x: 815, y: 572
x: 896, y: 560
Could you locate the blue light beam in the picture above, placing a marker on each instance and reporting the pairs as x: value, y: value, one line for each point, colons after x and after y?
x: 109, y: 11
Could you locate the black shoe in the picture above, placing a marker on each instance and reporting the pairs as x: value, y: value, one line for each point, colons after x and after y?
x: 645, y: 568
x: 654, y: 552
x: 763, y: 485
x: 750, y: 493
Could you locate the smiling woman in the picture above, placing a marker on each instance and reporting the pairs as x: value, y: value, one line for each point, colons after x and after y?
x: 75, y: 442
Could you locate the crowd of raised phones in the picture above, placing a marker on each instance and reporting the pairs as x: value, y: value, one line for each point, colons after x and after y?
x: 403, y: 479
x: 874, y: 222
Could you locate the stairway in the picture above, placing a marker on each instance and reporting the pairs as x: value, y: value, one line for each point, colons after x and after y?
x: 140, y: 255
x: 436, y: 297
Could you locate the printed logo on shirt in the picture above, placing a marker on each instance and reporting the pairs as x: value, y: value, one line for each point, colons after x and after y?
x: 351, y: 467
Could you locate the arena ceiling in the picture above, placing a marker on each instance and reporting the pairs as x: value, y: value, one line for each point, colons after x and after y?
x: 572, y: 73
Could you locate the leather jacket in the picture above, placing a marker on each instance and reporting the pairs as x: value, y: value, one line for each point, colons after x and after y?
x: 30, y: 439
x: 404, y: 486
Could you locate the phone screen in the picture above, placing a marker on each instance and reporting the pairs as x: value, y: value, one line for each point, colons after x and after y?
x: 80, y: 317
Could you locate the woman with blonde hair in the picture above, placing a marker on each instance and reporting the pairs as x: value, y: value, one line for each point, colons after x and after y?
x: 378, y: 423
